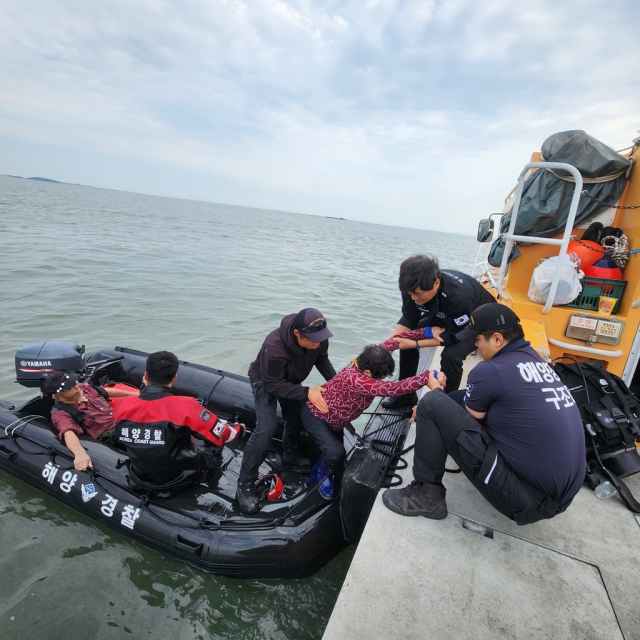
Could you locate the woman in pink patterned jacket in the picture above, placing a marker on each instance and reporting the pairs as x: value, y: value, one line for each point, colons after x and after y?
x: 349, y: 393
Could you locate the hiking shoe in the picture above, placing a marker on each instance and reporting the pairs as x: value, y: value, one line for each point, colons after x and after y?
x: 417, y: 499
x: 400, y: 402
x: 318, y: 473
x: 296, y: 463
x: 327, y: 489
x: 247, y: 496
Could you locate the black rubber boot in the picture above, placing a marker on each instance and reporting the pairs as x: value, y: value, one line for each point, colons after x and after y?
x: 401, y: 402
x: 417, y: 499
x: 296, y: 463
x: 247, y: 497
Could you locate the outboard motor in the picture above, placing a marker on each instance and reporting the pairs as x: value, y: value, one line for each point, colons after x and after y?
x: 50, y: 366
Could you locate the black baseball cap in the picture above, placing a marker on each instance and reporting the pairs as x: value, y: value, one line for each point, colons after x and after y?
x: 65, y: 381
x: 312, y: 324
x: 492, y: 316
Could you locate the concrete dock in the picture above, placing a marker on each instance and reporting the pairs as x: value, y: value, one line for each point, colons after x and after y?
x: 478, y: 575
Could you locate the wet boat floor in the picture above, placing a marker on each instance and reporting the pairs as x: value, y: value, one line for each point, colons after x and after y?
x: 218, y: 498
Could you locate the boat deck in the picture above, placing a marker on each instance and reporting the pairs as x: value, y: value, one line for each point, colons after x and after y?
x: 476, y: 574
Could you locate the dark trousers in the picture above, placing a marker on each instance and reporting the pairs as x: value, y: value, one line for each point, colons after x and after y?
x: 450, y: 362
x: 266, y: 424
x: 208, y: 463
x: 329, y: 441
x: 443, y: 427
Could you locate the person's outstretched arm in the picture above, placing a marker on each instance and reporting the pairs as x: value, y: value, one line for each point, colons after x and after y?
x: 389, y: 388
x: 207, y: 424
x: 68, y: 431
x: 81, y: 460
x: 414, y: 339
x: 112, y: 392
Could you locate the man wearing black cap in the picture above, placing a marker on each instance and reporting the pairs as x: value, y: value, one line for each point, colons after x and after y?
x: 285, y: 360
x: 518, y: 438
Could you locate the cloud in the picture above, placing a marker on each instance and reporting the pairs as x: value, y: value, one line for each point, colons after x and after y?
x: 418, y: 113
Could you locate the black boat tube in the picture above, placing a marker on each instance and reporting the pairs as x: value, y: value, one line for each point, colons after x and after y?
x: 201, y: 527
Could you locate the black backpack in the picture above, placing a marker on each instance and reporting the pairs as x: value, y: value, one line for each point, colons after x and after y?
x: 611, y: 419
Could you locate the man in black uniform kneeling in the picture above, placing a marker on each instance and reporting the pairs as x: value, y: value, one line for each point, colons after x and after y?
x: 518, y: 436
x: 157, y: 430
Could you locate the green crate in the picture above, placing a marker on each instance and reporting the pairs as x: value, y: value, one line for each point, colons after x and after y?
x: 593, y: 288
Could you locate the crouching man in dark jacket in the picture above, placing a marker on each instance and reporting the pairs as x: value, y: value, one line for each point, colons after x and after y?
x: 157, y: 430
x: 442, y: 300
x: 286, y: 358
x: 518, y: 438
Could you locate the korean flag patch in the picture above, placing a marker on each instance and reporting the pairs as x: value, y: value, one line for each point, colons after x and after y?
x: 218, y: 429
x: 461, y: 320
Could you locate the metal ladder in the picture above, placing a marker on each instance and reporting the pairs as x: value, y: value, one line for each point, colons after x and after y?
x: 563, y: 243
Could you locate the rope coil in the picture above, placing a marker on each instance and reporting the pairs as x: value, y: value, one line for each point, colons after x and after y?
x: 617, y: 248
x: 600, y: 180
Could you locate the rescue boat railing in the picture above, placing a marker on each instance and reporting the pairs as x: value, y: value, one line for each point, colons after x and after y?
x: 563, y: 243
x: 591, y: 350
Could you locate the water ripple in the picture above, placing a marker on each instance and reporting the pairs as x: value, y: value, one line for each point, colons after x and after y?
x: 105, y: 268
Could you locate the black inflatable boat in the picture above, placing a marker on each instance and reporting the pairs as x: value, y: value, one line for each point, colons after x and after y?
x: 202, y: 526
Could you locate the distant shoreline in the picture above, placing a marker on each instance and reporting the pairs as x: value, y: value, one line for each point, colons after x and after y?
x: 153, y: 195
x: 7, y: 175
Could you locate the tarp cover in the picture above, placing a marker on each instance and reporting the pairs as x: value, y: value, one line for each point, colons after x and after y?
x: 546, y: 199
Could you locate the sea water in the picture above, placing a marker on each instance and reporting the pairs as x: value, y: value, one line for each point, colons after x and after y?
x: 208, y: 282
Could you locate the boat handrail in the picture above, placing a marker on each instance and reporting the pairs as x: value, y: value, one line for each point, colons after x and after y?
x: 591, y: 350
x: 563, y: 243
x: 483, y: 270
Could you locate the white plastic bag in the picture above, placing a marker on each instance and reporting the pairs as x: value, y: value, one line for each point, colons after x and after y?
x: 569, y: 286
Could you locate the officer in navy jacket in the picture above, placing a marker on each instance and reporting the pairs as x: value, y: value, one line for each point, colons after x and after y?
x: 286, y: 358
x: 157, y: 430
x: 517, y: 435
x: 442, y: 300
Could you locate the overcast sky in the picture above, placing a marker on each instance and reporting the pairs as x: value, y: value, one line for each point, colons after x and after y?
x: 417, y: 114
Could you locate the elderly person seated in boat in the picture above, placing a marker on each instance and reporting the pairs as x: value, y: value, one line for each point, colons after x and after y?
x: 348, y: 394
x: 83, y: 409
